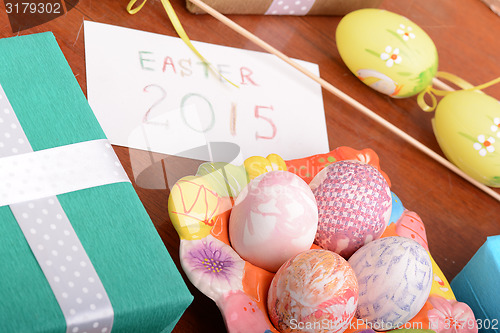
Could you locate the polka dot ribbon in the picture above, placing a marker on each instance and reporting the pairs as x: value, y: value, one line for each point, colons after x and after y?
x: 290, y: 7
x: 30, y: 181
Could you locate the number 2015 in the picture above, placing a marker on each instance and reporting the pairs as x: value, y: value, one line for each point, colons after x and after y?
x: 269, y: 134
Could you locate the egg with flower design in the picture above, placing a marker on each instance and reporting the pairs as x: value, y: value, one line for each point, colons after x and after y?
x: 387, y: 51
x: 467, y: 128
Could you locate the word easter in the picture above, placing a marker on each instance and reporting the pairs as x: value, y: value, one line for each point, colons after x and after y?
x: 187, y: 67
x: 190, y: 68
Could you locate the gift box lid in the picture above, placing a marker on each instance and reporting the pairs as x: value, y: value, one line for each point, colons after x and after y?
x: 145, y: 289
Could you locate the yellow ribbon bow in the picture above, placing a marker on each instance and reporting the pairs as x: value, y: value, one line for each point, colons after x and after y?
x: 433, y: 92
x: 179, y: 29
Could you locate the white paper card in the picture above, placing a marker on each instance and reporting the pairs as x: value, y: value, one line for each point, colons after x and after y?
x: 151, y: 92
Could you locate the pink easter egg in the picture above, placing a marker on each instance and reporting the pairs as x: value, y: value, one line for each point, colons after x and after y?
x: 315, y: 291
x: 274, y: 218
x: 354, y: 206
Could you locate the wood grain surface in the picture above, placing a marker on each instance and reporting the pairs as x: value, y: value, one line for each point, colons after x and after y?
x: 458, y: 216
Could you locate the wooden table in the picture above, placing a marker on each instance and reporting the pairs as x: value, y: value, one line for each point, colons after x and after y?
x: 457, y: 215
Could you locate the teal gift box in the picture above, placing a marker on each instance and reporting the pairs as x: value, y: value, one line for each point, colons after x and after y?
x: 478, y: 285
x: 146, y: 291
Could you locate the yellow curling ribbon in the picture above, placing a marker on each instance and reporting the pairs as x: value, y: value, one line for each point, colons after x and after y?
x: 432, y: 92
x: 179, y: 29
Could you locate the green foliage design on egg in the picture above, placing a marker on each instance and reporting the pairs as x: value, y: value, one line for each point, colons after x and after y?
x: 467, y: 128
x: 387, y: 52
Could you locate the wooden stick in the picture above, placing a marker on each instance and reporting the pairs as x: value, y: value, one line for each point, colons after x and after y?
x: 349, y: 100
x: 441, y: 85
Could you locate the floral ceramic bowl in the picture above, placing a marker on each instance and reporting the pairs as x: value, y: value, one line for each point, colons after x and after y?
x: 200, y: 205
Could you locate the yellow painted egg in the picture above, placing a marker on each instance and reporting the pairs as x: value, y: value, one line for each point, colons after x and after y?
x: 387, y: 52
x: 467, y: 128
x: 193, y: 207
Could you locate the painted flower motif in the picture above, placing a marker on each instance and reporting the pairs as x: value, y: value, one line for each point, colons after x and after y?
x: 365, y: 158
x: 405, y: 32
x: 390, y: 56
x: 484, y: 145
x: 496, y: 126
x: 212, y: 266
x: 450, y: 316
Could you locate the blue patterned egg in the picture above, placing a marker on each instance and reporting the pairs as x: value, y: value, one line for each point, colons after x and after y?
x: 397, y: 208
x: 394, y: 278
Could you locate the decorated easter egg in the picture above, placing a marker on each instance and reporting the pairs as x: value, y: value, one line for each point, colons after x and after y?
x: 387, y: 52
x: 394, y: 277
x: 274, y: 217
x: 397, y: 208
x: 354, y: 206
x: 467, y: 128
x: 315, y: 291
x: 193, y: 207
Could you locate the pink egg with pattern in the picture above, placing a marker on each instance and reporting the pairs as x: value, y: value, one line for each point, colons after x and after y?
x: 315, y: 291
x: 274, y: 218
x: 354, y: 205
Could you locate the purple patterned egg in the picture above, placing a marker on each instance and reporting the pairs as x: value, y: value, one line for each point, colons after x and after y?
x: 354, y: 206
x: 394, y: 279
x: 274, y: 218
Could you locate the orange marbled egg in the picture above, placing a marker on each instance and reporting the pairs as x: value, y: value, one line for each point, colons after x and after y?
x: 315, y: 291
